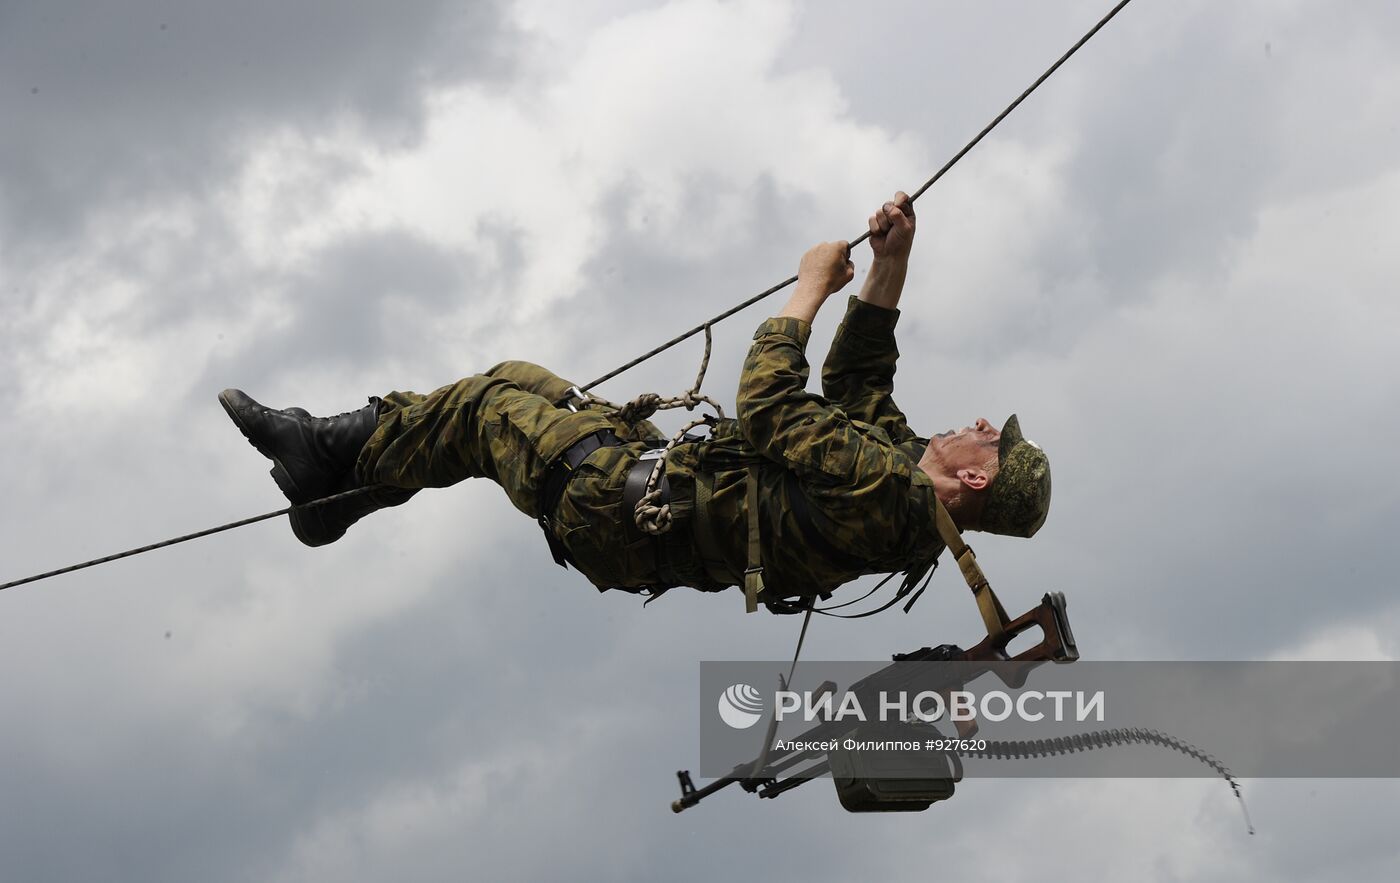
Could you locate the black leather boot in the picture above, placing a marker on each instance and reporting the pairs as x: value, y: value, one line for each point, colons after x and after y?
x: 327, y: 522
x: 311, y: 456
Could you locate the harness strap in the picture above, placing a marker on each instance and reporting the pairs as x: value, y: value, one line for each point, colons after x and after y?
x: 706, y: 543
x: 993, y: 614
x: 753, y: 576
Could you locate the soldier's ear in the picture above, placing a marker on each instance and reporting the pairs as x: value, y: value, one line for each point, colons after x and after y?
x: 975, y: 479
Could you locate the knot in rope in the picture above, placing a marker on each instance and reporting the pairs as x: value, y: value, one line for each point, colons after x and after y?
x: 651, y: 518
x: 639, y: 409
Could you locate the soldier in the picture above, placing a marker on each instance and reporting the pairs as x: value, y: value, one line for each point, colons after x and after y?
x: 798, y: 495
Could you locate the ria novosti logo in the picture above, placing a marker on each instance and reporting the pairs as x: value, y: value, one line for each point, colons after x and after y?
x: 740, y: 706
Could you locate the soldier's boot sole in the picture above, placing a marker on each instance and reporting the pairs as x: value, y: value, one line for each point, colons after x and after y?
x: 322, y: 524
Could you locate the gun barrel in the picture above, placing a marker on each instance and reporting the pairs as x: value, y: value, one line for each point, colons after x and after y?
x: 690, y: 798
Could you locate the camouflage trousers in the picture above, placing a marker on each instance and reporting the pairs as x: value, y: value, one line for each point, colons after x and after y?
x: 507, y: 425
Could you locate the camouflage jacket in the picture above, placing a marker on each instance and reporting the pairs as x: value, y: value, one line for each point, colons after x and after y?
x: 841, y: 492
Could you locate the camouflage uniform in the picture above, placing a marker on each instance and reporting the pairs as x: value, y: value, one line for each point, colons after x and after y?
x: 841, y: 492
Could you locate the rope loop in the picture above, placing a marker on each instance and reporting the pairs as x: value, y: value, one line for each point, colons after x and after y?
x: 649, y: 517
x: 650, y: 514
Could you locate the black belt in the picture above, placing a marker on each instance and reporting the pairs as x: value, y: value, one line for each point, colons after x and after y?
x: 632, y: 493
x: 557, y: 479
x: 641, y: 471
x: 636, y: 487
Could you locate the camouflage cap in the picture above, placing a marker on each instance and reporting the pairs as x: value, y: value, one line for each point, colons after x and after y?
x: 1019, y: 498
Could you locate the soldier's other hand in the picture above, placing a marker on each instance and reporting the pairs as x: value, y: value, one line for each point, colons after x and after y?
x: 826, y: 267
x: 892, y: 228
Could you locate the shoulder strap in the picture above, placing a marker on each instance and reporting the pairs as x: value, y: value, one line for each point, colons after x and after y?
x: 993, y: 614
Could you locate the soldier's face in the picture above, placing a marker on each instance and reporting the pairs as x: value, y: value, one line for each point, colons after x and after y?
x: 966, y: 448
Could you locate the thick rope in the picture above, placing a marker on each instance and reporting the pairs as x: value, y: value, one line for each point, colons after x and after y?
x: 705, y: 327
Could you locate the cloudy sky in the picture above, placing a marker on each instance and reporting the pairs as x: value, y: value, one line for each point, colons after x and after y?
x: 1177, y: 263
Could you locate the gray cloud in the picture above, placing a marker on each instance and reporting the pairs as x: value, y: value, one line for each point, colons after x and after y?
x: 362, y: 300
x: 1103, y: 265
x: 123, y: 103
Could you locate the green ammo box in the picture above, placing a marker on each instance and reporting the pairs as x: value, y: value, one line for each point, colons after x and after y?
x: 891, y: 780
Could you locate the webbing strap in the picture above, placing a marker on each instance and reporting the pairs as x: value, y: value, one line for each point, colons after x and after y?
x: 753, y: 576
x: 706, y: 543
x: 993, y: 614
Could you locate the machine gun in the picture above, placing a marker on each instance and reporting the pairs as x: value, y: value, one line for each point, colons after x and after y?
x: 864, y: 784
